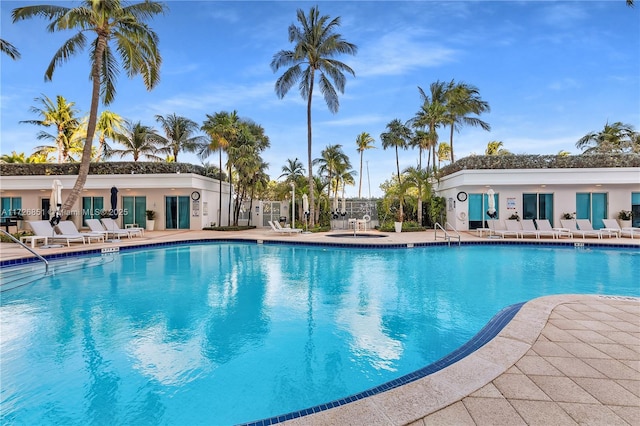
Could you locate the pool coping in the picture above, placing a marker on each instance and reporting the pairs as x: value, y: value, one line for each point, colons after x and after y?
x: 413, y: 401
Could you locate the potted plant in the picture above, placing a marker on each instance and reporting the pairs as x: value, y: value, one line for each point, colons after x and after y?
x: 398, y: 223
x: 514, y: 216
x: 151, y: 215
x: 624, y: 217
x: 568, y: 216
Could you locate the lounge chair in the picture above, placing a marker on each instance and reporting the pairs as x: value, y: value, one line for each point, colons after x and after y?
x: 112, y: 225
x: 517, y: 227
x: 284, y: 231
x: 585, y: 225
x: 529, y: 227
x: 612, y: 225
x: 67, y: 227
x: 497, y: 229
x: 42, y: 228
x: 572, y: 226
x: 97, y: 227
x: 545, y: 226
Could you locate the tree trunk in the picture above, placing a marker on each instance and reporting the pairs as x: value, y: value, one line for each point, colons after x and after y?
x: 311, y: 185
x: 451, y: 143
x: 85, y: 162
x: 360, y: 186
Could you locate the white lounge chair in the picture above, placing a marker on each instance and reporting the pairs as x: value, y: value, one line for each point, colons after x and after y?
x: 42, y: 228
x: 612, y: 225
x: 67, y: 227
x: 497, y: 229
x: 585, y: 225
x: 529, y: 227
x: 279, y: 229
x: 545, y: 226
x: 96, y: 226
x: 572, y: 226
x: 112, y: 225
x: 517, y: 227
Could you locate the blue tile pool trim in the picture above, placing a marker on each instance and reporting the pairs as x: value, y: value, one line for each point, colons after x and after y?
x: 488, y: 332
x: 566, y: 244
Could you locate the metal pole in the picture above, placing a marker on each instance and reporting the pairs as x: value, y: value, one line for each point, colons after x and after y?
x: 293, y: 205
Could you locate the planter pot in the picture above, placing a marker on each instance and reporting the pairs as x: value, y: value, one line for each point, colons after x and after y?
x: 398, y: 226
x: 150, y: 224
x: 624, y: 223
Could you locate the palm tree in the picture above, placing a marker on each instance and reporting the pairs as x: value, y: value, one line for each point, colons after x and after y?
x: 418, y: 178
x: 495, y: 148
x: 221, y: 128
x: 332, y: 159
x: 9, y: 49
x: 292, y: 170
x: 139, y: 141
x: 364, y: 141
x: 60, y: 115
x: 179, y: 132
x: 136, y: 44
x: 316, y: 45
x: 463, y: 99
x: 14, y: 157
x: 444, y: 152
x: 67, y: 143
x: 397, y: 136
x: 432, y: 114
x: 616, y: 138
x: 110, y: 126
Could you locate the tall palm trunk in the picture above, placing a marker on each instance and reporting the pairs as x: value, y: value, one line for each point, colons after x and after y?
x: 399, y: 184
x: 311, y: 183
x: 85, y: 161
x: 360, y: 185
x: 220, y: 191
x: 451, y: 143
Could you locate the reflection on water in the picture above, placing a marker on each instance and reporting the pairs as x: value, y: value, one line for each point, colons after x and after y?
x: 227, y: 333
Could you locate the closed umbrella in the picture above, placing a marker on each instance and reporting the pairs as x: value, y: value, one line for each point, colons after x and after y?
x: 335, y: 204
x: 114, y: 202
x: 56, y: 201
x: 491, y: 200
x: 305, y: 203
x: 344, y: 206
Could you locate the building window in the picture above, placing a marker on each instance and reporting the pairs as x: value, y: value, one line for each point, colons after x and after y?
x: 134, y: 211
x: 11, y: 206
x: 592, y: 206
x: 537, y: 206
x: 478, y: 206
x: 91, y: 207
x: 177, y: 212
x: 635, y: 209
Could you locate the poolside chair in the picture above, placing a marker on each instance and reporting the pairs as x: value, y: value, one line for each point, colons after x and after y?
x: 572, y: 226
x: 97, y: 227
x: 42, y: 228
x: 613, y: 226
x: 112, y: 225
x: 529, y: 227
x: 585, y: 225
x: 517, y: 226
x: 545, y: 226
x: 499, y: 230
x: 67, y: 227
x: 278, y: 228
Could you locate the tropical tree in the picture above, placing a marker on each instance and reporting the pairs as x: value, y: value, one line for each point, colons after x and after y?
x: 616, y: 138
x: 293, y: 170
x: 59, y: 114
x: 110, y: 126
x: 139, y: 141
x: 179, y: 135
x: 9, y: 49
x: 495, y: 148
x: 316, y: 44
x: 444, y: 152
x: 364, y: 141
x: 14, y: 157
x: 419, y: 179
x: 397, y: 136
x: 332, y: 161
x: 463, y: 99
x: 222, y: 128
x: 111, y: 22
x: 68, y: 143
x: 432, y: 114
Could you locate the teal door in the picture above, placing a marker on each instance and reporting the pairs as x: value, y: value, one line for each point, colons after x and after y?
x: 134, y: 211
x: 177, y: 212
x: 592, y: 206
x: 537, y: 206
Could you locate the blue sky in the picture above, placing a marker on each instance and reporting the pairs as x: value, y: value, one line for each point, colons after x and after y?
x: 550, y: 71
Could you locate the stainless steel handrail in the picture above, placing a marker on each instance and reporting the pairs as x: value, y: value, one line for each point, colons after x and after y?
x: 447, y: 237
x: 46, y: 263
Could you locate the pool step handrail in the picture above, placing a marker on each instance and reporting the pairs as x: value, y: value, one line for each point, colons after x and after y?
x: 446, y: 229
x: 15, y: 240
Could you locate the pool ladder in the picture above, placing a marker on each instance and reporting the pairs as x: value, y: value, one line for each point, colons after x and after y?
x: 446, y: 229
x: 42, y: 259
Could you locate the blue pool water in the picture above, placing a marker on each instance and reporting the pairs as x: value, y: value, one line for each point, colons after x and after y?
x: 234, y: 332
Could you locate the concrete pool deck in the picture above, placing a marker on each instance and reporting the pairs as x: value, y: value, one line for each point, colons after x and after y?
x: 566, y: 359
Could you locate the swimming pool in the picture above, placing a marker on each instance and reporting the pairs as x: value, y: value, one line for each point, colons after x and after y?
x: 226, y: 333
